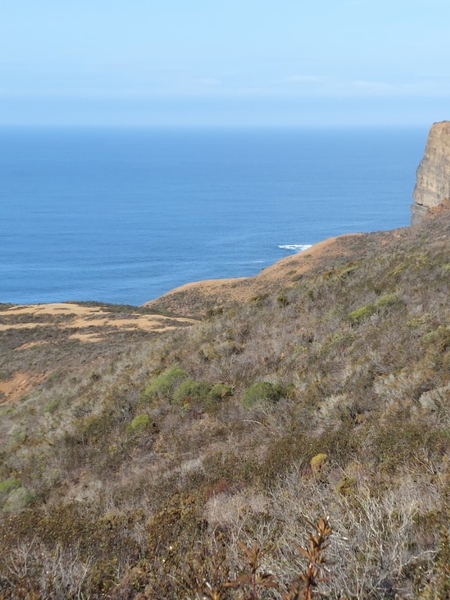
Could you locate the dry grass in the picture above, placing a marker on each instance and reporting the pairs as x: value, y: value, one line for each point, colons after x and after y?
x: 134, y: 460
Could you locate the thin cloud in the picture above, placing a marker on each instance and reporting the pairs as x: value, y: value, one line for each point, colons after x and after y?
x: 332, y: 86
x: 375, y: 87
x: 208, y: 81
x: 305, y: 79
x: 295, y: 86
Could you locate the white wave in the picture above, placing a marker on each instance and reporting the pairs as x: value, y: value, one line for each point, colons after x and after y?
x: 295, y: 247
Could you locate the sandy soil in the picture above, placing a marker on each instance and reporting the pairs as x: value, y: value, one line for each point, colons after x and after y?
x: 17, y: 386
x: 29, y: 345
x: 84, y: 317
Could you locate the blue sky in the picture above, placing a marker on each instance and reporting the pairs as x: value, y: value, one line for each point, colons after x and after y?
x: 236, y: 63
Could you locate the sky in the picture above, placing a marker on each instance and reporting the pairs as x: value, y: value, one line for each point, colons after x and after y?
x: 236, y: 63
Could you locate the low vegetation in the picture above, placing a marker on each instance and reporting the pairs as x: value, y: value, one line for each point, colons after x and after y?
x: 194, y: 463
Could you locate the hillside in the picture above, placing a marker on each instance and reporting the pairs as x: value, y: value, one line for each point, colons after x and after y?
x: 141, y: 446
x: 133, y: 452
x: 203, y: 297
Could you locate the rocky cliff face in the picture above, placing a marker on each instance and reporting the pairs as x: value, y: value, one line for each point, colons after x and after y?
x: 433, y: 173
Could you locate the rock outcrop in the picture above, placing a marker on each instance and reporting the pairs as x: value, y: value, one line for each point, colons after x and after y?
x: 433, y: 174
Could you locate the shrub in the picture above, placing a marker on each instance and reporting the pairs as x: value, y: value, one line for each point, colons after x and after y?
x: 346, y: 270
x: 317, y: 463
x: 8, y: 485
x: 51, y: 406
x: 138, y: 424
x: 364, y: 312
x: 439, y: 338
x: 260, y: 299
x: 191, y: 391
x: 283, y: 300
x: 262, y: 391
x: 163, y: 386
x: 386, y: 300
x: 219, y: 391
x: 17, y: 500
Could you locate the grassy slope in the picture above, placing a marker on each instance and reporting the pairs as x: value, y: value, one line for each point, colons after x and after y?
x: 118, y: 472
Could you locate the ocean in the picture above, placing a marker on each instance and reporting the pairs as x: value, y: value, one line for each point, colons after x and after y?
x: 124, y: 215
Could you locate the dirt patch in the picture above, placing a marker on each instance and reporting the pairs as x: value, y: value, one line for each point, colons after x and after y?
x: 52, y: 309
x: 146, y: 323
x: 87, y: 338
x: 7, y: 326
x: 154, y: 325
x: 29, y: 345
x: 84, y: 317
x: 17, y: 386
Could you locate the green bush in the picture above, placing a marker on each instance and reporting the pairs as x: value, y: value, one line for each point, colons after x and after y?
x: 262, y: 391
x: 163, y: 386
x: 219, y: 391
x: 364, y: 312
x: 17, y: 500
x: 138, y: 424
x: 191, y: 391
x: 439, y: 338
x: 386, y: 300
x: 8, y: 485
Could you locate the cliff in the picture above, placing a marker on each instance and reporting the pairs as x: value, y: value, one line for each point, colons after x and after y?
x: 433, y: 174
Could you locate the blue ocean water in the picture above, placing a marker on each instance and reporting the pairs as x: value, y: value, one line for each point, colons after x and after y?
x: 123, y: 216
